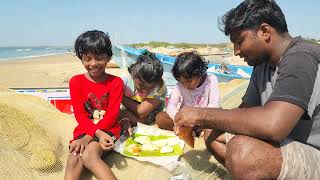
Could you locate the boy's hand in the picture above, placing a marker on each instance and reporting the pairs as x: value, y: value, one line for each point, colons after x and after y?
x: 105, y: 140
x: 79, y: 145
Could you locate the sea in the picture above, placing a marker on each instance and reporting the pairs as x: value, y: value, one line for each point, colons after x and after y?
x: 16, y: 53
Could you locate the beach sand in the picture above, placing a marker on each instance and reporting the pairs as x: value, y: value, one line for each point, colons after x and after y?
x: 43, y: 72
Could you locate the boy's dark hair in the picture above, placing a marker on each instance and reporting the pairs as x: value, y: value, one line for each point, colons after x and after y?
x: 189, y: 64
x: 250, y: 14
x: 147, y: 68
x: 93, y: 42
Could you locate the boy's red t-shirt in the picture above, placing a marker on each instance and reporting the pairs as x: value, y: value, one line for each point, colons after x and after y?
x: 105, y: 96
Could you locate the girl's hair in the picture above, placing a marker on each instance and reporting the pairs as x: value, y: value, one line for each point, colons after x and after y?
x: 93, y: 42
x: 147, y: 68
x: 189, y: 64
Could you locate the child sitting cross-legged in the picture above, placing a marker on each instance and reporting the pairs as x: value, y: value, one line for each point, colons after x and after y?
x: 194, y: 88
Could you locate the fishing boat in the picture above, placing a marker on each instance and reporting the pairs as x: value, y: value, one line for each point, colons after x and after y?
x: 224, y: 72
x: 58, y: 97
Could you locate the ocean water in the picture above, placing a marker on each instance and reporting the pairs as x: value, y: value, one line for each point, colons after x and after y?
x: 8, y: 53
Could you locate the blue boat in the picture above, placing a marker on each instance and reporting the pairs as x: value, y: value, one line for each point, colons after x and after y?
x: 226, y: 73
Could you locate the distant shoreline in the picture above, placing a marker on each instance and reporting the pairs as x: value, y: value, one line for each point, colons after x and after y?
x: 31, y: 57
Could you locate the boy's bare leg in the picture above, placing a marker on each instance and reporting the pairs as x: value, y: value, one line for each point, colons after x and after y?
x: 164, y: 121
x: 250, y: 158
x: 91, y: 159
x: 74, y: 167
x: 216, y: 144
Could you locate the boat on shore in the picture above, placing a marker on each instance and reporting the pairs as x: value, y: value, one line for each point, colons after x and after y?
x: 58, y: 97
x: 224, y: 72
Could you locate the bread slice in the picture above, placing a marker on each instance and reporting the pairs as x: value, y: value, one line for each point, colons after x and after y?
x: 185, y: 133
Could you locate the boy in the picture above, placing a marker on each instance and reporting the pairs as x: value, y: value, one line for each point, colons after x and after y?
x: 96, y: 98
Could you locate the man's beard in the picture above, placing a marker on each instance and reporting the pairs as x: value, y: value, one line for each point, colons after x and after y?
x: 258, y: 61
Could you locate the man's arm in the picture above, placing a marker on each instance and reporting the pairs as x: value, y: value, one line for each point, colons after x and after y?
x: 274, y: 121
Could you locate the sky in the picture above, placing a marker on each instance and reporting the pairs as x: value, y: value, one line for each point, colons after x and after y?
x: 59, y: 22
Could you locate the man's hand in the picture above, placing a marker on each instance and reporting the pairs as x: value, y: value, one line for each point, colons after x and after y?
x: 105, y: 140
x: 188, y: 116
x: 79, y: 145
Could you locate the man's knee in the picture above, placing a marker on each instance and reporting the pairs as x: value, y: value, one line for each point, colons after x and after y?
x: 240, y: 157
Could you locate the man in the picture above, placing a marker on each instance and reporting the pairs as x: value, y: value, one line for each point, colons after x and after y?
x: 276, y: 129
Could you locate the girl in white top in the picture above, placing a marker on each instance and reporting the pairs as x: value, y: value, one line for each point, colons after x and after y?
x: 194, y: 88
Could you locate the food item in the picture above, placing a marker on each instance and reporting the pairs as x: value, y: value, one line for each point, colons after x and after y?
x: 166, y: 149
x: 142, y: 139
x: 134, y: 149
x: 160, y: 143
x: 144, y: 145
x: 172, y: 141
x: 185, y: 133
x: 149, y: 147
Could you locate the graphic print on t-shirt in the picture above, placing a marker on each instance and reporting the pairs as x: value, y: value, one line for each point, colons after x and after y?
x: 95, y: 107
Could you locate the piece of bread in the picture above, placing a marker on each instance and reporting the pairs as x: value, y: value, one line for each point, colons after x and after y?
x: 185, y: 133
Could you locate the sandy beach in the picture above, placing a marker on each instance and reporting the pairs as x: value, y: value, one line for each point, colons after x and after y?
x: 46, y: 71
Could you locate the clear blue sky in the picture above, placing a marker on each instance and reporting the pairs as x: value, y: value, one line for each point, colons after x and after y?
x: 59, y: 22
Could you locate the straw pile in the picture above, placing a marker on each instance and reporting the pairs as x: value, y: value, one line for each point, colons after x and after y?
x: 30, y: 142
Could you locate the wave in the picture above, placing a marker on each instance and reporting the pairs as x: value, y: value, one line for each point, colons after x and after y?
x: 33, y: 56
x: 27, y: 49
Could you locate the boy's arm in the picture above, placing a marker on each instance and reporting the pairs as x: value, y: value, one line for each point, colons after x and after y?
x: 214, y: 94
x: 112, y: 113
x: 175, y: 98
x: 78, y: 108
